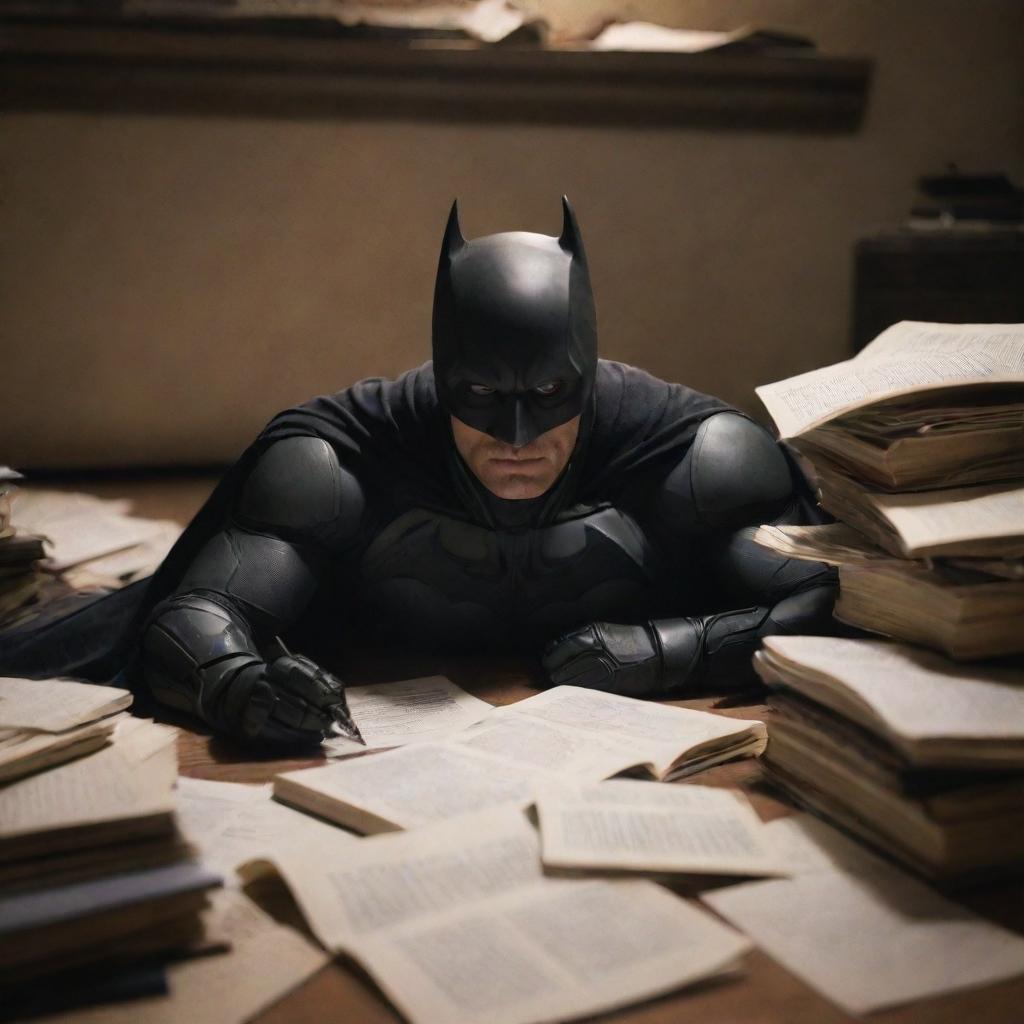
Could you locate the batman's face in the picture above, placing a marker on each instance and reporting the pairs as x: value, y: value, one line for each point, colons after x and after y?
x: 515, y: 341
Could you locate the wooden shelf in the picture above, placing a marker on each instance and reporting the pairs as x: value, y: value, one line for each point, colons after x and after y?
x: 188, y: 70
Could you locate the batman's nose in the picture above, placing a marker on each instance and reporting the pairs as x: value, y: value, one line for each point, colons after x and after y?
x: 521, y: 426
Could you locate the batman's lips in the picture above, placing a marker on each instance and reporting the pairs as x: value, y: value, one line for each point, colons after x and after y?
x: 517, y: 463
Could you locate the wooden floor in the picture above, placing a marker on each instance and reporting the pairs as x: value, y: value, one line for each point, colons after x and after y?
x: 341, y: 994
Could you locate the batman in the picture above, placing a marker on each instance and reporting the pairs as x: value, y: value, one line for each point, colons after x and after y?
x: 516, y: 493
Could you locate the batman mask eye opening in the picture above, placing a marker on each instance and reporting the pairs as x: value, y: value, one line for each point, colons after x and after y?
x: 480, y: 390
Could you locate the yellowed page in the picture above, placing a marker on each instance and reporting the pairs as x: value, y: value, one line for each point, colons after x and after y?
x: 535, y: 743
x: 658, y: 734
x: 411, y: 711
x: 550, y: 950
x: 835, y: 543
x: 630, y: 825
x: 54, y: 705
x: 22, y: 753
x: 908, y: 358
x: 927, y: 520
x: 231, y: 823
x: 861, y: 932
x: 384, y: 882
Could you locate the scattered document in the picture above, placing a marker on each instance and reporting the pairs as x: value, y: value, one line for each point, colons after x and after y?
x: 457, y: 925
x: 231, y: 823
x: 631, y: 825
x: 411, y: 711
x: 862, y: 933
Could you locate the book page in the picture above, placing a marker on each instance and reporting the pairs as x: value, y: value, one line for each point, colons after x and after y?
x: 412, y: 786
x: 231, y: 823
x: 531, y: 741
x: 266, y: 960
x: 54, y: 705
x: 386, y: 881
x: 916, y: 693
x: 550, y: 950
x: 869, y: 937
x: 909, y: 360
x: 834, y: 543
x: 1003, y: 343
x: 411, y: 711
x: 630, y: 825
x: 657, y: 733
x: 928, y: 519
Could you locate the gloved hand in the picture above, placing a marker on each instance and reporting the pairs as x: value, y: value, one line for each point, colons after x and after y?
x: 604, y: 656
x: 289, y: 701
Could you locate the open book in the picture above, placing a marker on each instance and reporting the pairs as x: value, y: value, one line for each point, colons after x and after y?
x: 924, y: 405
x: 565, y: 732
x: 457, y: 925
x: 964, y: 609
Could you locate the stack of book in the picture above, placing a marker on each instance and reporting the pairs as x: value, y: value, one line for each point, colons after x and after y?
x: 919, y: 756
x: 917, y: 447
x: 20, y: 554
x: 93, y: 869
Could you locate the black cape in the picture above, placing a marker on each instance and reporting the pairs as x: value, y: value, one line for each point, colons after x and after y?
x: 396, y: 439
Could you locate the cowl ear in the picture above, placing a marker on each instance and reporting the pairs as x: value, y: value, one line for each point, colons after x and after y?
x: 453, y: 240
x: 570, y: 239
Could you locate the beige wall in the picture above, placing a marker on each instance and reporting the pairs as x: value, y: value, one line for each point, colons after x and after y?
x: 168, y: 283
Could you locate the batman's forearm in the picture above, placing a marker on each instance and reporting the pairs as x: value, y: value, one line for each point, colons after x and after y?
x: 715, y: 651
x: 200, y: 655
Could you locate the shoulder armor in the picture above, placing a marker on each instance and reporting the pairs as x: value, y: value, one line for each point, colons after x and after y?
x: 299, y: 487
x: 733, y: 474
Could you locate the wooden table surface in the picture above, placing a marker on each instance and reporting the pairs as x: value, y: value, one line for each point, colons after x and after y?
x: 341, y: 994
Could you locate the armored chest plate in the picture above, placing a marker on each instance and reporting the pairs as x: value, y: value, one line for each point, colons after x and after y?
x: 437, y: 582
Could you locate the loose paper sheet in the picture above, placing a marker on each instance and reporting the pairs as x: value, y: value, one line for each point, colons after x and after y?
x: 54, y: 705
x: 231, y: 823
x: 862, y: 933
x: 625, y: 824
x: 412, y: 711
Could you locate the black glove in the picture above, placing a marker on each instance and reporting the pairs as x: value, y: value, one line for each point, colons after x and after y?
x: 603, y: 656
x: 289, y: 702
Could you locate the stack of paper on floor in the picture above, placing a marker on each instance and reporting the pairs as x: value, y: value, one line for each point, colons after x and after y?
x: 457, y: 923
x: 20, y: 555
x: 967, y: 609
x: 92, y: 866
x: 861, y: 932
x: 44, y: 722
x: 90, y: 544
x: 566, y: 732
x: 919, y: 756
x: 627, y: 825
x: 918, y: 444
